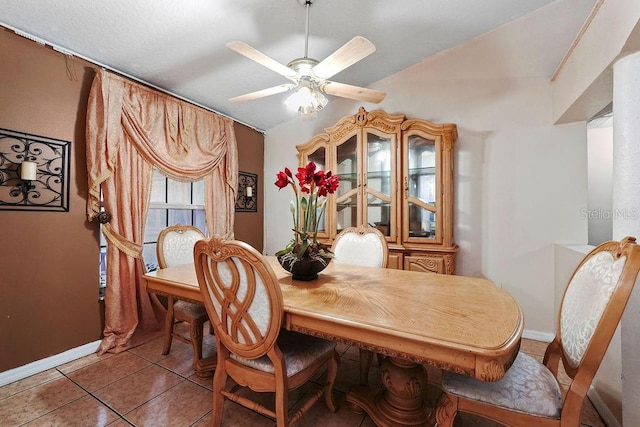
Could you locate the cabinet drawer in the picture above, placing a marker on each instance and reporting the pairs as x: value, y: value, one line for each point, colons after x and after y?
x: 426, y: 264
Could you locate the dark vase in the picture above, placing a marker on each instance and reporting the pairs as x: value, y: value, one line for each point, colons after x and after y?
x: 305, y: 269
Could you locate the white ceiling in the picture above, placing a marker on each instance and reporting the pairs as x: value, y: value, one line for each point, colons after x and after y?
x: 179, y: 46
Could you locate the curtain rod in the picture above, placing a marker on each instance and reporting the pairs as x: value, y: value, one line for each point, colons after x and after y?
x: 107, y: 67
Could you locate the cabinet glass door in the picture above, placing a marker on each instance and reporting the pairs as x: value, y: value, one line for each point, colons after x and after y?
x: 347, y: 193
x: 378, y: 183
x: 420, y: 188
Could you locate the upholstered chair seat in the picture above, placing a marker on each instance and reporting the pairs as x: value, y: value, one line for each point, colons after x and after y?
x: 527, y: 387
x: 299, y: 351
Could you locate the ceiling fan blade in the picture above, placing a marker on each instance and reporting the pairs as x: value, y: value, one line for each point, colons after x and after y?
x: 353, y: 92
x: 262, y: 59
x: 351, y: 52
x: 262, y: 93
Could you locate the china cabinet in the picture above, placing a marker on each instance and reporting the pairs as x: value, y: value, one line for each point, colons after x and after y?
x: 396, y: 174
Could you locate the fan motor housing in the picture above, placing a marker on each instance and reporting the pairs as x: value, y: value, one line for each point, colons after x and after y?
x: 303, y: 66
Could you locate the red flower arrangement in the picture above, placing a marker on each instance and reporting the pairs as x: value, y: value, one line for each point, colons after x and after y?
x: 307, y: 210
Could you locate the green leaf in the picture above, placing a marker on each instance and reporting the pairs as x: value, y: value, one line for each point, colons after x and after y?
x: 303, y: 248
x: 283, y: 252
x: 286, y: 250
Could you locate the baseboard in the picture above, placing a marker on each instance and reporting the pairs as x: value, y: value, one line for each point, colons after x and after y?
x: 537, y: 335
x: 42, y: 365
x: 602, y: 408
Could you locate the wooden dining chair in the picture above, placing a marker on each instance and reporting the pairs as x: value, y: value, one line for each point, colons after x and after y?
x: 363, y: 246
x: 529, y: 394
x: 175, y: 247
x: 245, y: 305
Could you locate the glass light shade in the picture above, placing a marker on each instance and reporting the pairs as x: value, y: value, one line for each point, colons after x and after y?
x: 306, y: 100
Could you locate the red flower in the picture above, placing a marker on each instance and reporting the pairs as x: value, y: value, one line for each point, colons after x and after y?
x: 332, y: 183
x: 305, y: 177
x: 328, y: 184
x: 282, y: 180
x: 319, y: 177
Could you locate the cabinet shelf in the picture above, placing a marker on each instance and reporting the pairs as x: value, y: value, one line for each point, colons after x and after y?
x: 355, y: 205
x: 417, y: 172
x: 353, y: 177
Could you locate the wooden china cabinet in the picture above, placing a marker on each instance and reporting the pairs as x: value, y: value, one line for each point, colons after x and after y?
x: 396, y: 174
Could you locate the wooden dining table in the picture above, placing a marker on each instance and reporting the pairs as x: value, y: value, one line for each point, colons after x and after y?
x: 460, y: 324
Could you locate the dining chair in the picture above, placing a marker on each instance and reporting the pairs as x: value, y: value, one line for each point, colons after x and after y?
x: 245, y: 305
x: 175, y: 247
x: 363, y: 246
x: 530, y: 394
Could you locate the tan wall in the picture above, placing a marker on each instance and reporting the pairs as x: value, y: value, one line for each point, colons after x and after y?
x: 49, y: 260
x: 249, y: 226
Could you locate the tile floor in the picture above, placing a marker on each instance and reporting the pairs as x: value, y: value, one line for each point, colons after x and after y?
x: 141, y: 387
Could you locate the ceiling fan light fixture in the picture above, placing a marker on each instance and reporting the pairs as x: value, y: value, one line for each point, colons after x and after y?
x: 306, y: 99
x: 310, y: 78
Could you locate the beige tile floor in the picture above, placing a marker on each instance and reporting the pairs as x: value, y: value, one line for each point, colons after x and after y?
x: 141, y: 387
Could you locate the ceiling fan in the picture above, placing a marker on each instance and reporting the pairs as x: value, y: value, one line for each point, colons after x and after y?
x: 310, y: 77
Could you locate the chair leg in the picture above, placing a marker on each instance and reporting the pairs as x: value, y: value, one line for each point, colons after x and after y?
x: 282, y: 412
x: 195, y: 332
x: 366, y: 357
x: 168, y: 327
x: 219, y: 381
x: 446, y: 410
x: 332, y: 373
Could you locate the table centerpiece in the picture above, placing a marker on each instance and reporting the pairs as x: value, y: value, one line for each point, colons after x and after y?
x: 304, y: 257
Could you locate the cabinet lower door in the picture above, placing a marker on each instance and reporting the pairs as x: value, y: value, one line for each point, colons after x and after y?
x: 394, y: 260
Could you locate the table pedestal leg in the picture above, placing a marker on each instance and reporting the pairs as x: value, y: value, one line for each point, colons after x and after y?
x: 401, y: 401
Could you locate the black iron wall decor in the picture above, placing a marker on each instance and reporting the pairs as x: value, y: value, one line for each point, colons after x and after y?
x: 42, y: 183
x: 247, y: 198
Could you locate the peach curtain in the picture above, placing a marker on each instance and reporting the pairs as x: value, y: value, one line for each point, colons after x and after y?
x: 130, y: 129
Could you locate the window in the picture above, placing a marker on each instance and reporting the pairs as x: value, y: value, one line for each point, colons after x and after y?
x: 172, y: 202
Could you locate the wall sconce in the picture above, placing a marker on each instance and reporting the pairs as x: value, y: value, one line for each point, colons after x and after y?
x: 28, y: 173
x: 34, y: 171
x: 247, y: 198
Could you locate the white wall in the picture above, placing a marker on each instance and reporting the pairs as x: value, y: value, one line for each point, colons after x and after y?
x: 600, y: 172
x: 520, y: 181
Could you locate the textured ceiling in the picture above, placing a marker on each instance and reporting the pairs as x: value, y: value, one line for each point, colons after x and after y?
x: 179, y: 46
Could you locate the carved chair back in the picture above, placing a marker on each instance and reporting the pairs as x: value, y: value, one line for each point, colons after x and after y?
x: 243, y: 294
x: 363, y: 246
x: 175, y: 245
